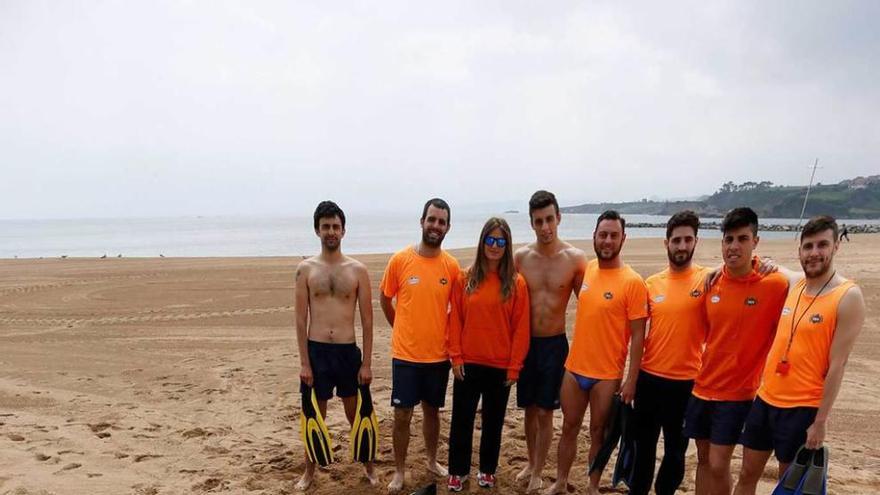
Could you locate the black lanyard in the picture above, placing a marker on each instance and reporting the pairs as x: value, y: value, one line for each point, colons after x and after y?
x: 794, y: 325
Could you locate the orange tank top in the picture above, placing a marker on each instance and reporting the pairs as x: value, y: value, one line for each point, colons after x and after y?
x: 802, y: 384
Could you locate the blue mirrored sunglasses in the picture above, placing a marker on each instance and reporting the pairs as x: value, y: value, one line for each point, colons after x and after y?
x: 495, y: 241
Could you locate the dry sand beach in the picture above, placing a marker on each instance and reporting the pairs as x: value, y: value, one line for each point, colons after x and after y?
x: 171, y: 376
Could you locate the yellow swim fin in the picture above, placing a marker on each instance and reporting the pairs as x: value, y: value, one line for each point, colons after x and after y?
x: 314, y: 432
x: 365, y: 428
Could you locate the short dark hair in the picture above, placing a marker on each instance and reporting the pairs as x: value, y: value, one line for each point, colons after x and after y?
x: 542, y: 199
x: 328, y: 209
x: 819, y: 224
x: 437, y: 203
x: 684, y: 218
x: 611, y: 215
x: 738, y: 218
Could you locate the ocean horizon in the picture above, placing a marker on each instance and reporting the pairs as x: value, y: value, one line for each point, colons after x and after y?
x: 220, y: 236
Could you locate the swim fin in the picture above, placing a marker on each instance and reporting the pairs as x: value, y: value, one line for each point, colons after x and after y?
x: 365, y: 428
x: 612, y: 436
x: 794, y: 475
x: 314, y: 432
x: 816, y: 477
x: 624, y: 468
x: 426, y: 490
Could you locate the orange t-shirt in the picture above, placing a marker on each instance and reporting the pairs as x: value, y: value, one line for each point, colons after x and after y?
x: 608, y: 300
x: 742, y: 315
x: 423, y: 287
x: 808, y: 358
x: 485, y: 329
x: 677, y: 330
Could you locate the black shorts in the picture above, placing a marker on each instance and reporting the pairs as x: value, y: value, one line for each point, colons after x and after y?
x: 782, y: 430
x: 542, y: 372
x: 334, y: 366
x: 719, y: 421
x: 412, y: 383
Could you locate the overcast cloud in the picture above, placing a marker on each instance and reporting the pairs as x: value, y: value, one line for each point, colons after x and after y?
x: 182, y: 107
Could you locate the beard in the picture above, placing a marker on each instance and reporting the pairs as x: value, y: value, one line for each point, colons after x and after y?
x: 818, y: 271
x: 680, y: 258
x: 605, y: 256
x: 430, y: 241
x: 331, y: 245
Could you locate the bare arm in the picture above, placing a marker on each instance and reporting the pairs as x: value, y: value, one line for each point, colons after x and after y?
x: 387, y: 307
x: 365, y: 304
x: 851, y: 318
x: 636, y: 349
x: 301, y: 307
x: 581, y: 260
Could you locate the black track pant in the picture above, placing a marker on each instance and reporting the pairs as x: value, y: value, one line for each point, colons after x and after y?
x: 660, y: 404
x: 488, y: 383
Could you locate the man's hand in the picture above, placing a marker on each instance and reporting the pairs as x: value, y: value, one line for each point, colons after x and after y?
x: 458, y: 372
x: 365, y: 375
x: 766, y: 266
x: 815, y: 435
x: 305, y: 375
x: 628, y: 391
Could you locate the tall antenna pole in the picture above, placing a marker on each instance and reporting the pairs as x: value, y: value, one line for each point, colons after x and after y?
x: 806, y: 197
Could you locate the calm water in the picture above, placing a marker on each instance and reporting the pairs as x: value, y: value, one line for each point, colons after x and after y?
x: 280, y: 236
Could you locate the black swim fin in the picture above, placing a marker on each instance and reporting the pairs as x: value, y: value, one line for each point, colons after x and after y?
x: 794, y: 475
x: 612, y: 436
x: 426, y: 490
x: 624, y: 468
x: 816, y: 477
x: 365, y: 428
x: 314, y: 432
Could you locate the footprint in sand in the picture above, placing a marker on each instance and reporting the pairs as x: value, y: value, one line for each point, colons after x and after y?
x: 42, y: 457
x: 146, y: 457
x: 15, y: 437
x: 69, y: 467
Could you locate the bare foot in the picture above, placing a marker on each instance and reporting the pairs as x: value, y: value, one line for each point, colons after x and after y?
x: 525, y: 474
x: 535, y: 484
x: 556, y: 488
x: 592, y: 490
x: 396, y: 482
x: 436, y: 468
x: 305, y: 481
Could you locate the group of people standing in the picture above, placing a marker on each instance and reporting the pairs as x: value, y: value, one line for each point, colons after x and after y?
x: 753, y: 356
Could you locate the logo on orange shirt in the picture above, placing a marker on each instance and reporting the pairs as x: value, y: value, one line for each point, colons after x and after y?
x: 786, y: 311
x: 696, y: 293
x: 413, y: 280
x: 659, y: 298
x: 608, y: 295
x: 715, y: 299
x: 443, y: 281
x: 816, y: 318
x: 751, y: 301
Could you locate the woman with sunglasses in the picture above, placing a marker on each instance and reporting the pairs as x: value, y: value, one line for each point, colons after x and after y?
x: 488, y: 341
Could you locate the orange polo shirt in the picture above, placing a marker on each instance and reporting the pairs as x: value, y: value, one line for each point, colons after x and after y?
x: 608, y: 300
x: 677, y: 329
x: 742, y: 314
x: 809, y: 357
x: 423, y: 287
x: 486, y: 329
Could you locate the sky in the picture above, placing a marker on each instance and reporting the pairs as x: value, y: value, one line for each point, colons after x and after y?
x: 166, y: 108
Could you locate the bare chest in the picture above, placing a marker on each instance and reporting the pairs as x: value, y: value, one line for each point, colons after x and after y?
x: 336, y: 283
x: 548, y: 276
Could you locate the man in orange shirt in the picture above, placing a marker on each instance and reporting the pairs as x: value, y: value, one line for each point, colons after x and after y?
x: 420, y: 278
x: 742, y: 310
x: 676, y: 332
x: 822, y: 317
x: 611, y: 313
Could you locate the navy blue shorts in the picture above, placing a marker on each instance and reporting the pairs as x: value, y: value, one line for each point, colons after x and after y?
x: 542, y: 372
x: 334, y: 366
x: 782, y: 430
x: 412, y: 383
x: 719, y: 421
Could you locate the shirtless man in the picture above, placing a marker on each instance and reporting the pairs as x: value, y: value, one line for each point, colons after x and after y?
x: 328, y: 288
x: 553, y: 270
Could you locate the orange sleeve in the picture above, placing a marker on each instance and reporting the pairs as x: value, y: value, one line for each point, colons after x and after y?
x: 456, y: 321
x: 636, y: 299
x: 520, y: 321
x: 388, y: 285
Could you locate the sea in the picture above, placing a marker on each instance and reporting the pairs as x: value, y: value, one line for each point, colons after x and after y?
x: 206, y: 236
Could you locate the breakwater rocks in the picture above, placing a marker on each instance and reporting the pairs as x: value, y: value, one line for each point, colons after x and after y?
x: 851, y: 228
